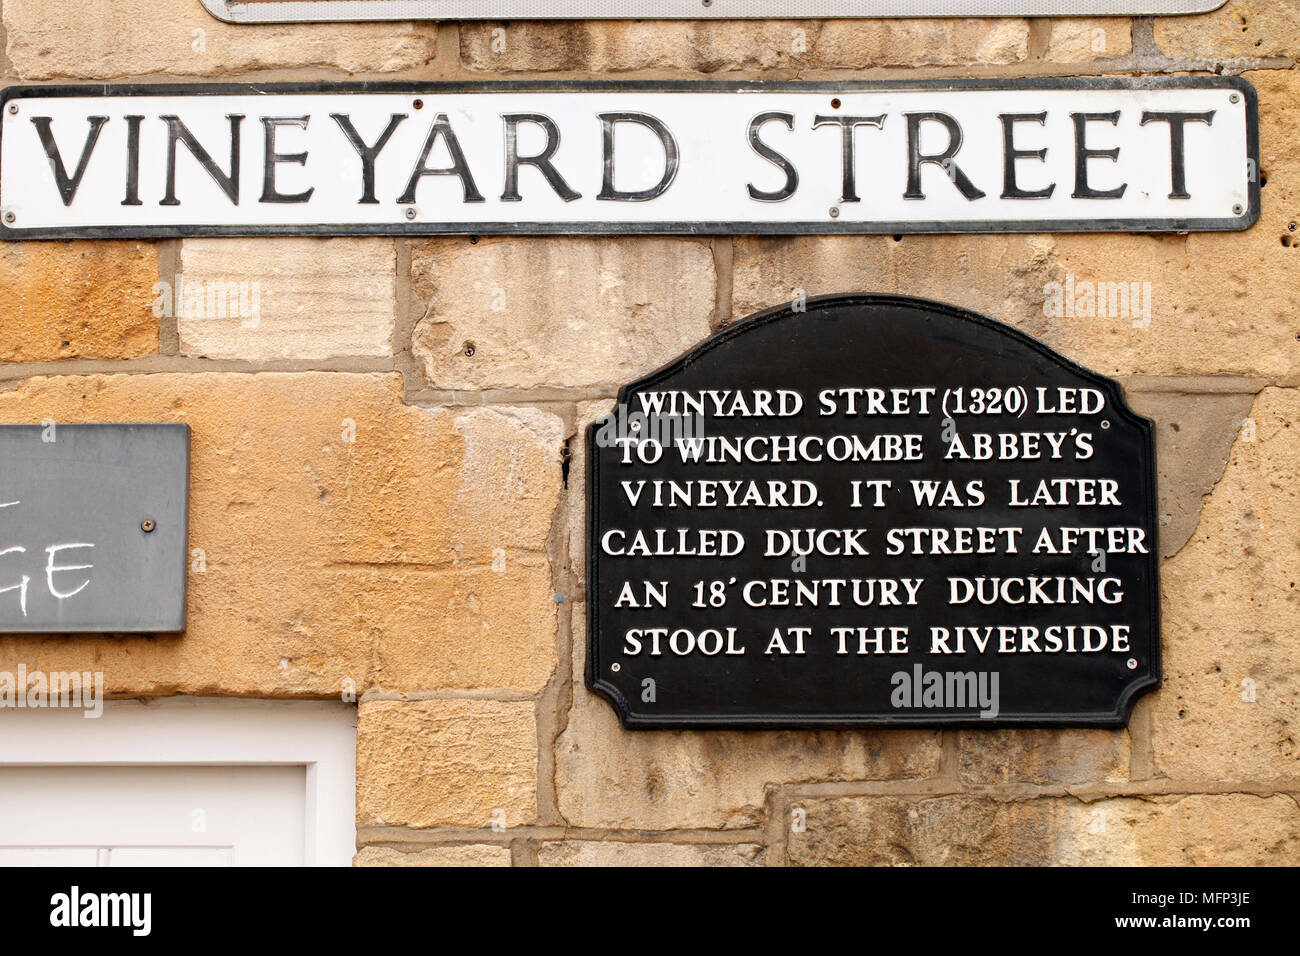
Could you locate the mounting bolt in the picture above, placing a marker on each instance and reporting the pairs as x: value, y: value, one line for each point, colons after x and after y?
x: 616, y: 667
x: 835, y: 212
x: 1237, y: 209
x: 10, y: 217
x: 13, y: 109
x: 410, y: 212
x: 1132, y: 663
x: 1234, y: 98
x: 147, y: 525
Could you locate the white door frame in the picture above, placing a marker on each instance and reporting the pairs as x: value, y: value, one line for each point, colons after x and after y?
x: 320, y: 735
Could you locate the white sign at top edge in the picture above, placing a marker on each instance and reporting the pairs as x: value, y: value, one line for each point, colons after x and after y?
x: 302, y: 11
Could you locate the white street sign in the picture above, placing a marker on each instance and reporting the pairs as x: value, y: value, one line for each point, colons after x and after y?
x: 1079, y: 154
x: 287, y: 11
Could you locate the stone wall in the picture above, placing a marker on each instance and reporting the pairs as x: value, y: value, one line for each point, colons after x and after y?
x: 387, y: 489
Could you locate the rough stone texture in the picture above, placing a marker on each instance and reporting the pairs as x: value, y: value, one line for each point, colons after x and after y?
x: 460, y: 763
x: 731, y: 45
x: 966, y: 830
x: 1083, y: 40
x: 576, y: 495
x: 1234, y: 829
x: 1222, y: 302
x: 300, y: 298
x: 575, y: 312
x: 1194, y: 436
x: 608, y: 777
x: 1002, y: 277
x: 1252, y: 28
x: 866, y: 43
x: 470, y: 854
x: 1231, y: 609
x: 77, y: 300
x: 117, y: 38
x: 328, y: 560
x: 1042, y: 757
x: 925, y: 831
x: 593, y: 853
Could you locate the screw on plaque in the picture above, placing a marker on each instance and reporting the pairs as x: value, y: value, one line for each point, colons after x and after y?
x: 1234, y: 98
x: 1238, y: 209
x: 1132, y: 663
x: 616, y: 667
x: 10, y: 217
x: 835, y: 212
x: 410, y: 212
x: 147, y: 525
x: 13, y: 108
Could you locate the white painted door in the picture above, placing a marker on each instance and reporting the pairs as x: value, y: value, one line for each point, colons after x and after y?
x: 179, y: 782
x: 152, y: 816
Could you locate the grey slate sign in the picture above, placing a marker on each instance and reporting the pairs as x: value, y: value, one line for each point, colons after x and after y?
x: 93, y: 525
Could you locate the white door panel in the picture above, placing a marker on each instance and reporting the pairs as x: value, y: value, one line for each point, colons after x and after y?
x: 168, y: 816
x: 179, y: 782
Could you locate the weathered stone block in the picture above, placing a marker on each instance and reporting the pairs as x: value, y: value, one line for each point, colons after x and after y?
x: 470, y: 854
x: 1230, y: 704
x: 432, y: 763
x: 273, y: 298
x: 722, y: 46
x: 77, y: 300
x: 576, y: 494
x: 933, y: 42
x: 1002, y: 277
x: 593, y: 853
x: 1194, y: 437
x: 339, y: 538
x: 1042, y: 757
x: 116, y: 38
x: 518, y: 313
x: 1242, y: 28
x: 967, y: 830
x: 1231, y: 829
x: 1079, y: 40
x: 657, y: 780
x: 960, y: 830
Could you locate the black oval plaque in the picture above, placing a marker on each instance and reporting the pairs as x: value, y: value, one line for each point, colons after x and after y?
x: 872, y: 510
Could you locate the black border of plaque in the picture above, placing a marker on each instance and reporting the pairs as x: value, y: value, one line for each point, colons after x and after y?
x: 1145, y: 679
